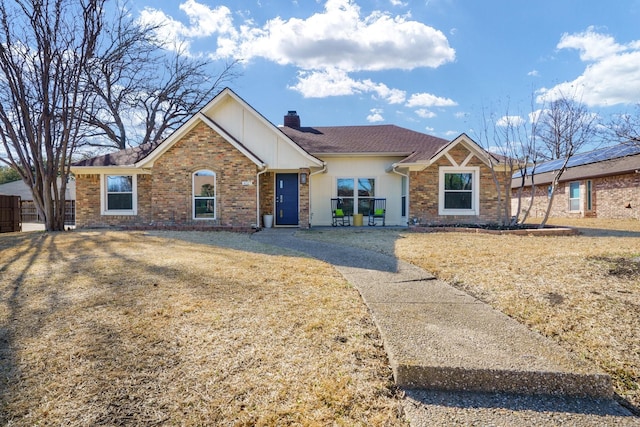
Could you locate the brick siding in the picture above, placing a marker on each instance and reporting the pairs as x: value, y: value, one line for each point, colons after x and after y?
x: 304, y: 206
x: 424, y: 192
x: 615, y: 197
x: 165, y: 195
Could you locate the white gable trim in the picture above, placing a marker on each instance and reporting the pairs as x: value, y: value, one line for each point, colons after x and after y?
x: 184, y: 129
x: 468, y: 143
x: 451, y: 159
x: 274, y: 129
x: 231, y: 140
x: 467, y: 160
x: 202, y: 117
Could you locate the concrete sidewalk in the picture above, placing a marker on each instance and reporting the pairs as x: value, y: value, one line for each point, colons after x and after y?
x: 440, y: 338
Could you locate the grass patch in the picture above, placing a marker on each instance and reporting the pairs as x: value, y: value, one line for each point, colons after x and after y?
x: 130, y: 328
x: 582, y: 291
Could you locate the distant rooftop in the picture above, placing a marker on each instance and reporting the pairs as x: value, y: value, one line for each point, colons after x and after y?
x: 595, y: 156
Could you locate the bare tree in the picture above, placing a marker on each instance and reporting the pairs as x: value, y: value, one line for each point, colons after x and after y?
x: 497, y: 140
x: 626, y: 127
x: 563, y: 129
x: 142, y: 90
x: 44, y: 45
x: 529, y: 156
x: 512, y: 140
x: 72, y: 76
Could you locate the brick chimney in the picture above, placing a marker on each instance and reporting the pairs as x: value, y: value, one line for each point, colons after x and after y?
x: 292, y: 120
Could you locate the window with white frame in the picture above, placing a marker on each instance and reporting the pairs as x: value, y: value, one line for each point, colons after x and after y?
x: 459, y: 191
x: 356, y: 193
x: 119, y: 195
x: 204, y: 194
x: 574, y: 196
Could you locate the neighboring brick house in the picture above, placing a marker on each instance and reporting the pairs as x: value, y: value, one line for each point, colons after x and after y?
x: 227, y: 166
x: 603, y: 183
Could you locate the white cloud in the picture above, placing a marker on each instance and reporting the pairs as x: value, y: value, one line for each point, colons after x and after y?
x: 398, y: 3
x: 375, y: 116
x: 592, y: 46
x: 535, y: 115
x: 533, y: 73
x: 203, y: 22
x: 429, y: 100
x: 341, y: 37
x: 335, y: 82
x: 425, y: 114
x: 513, y: 121
x: 611, y: 77
x: 451, y: 133
x: 325, y: 46
x: 392, y: 96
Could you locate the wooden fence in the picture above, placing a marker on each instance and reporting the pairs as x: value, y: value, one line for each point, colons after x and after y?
x: 30, y: 213
x: 10, y: 214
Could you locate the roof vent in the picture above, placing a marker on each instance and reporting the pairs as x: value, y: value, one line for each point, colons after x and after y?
x: 292, y: 120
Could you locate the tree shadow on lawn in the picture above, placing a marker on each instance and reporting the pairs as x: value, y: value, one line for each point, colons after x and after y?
x: 43, y: 304
x: 319, y: 243
x: 13, y: 297
x: 308, y: 243
x: 98, y: 329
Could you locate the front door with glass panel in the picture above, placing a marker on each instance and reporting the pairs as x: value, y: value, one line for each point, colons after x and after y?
x: 286, y: 199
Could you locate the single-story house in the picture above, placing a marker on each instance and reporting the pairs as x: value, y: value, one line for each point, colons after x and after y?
x: 27, y: 206
x: 227, y: 166
x: 603, y: 183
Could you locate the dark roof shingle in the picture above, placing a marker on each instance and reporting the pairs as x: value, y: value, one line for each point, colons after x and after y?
x: 128, y: 156
x: 378, y: 139
x: 375, y: 139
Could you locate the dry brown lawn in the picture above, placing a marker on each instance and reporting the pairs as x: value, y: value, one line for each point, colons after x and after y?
x: 582, y: 291
x: 130, y: 328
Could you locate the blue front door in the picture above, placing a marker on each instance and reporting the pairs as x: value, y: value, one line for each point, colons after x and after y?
x: 286, y: 199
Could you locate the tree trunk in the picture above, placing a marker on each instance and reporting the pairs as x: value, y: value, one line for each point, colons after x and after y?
x: 549, y: 205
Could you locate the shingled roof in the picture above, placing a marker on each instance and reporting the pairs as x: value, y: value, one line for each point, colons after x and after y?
x: 126, y: 157
x: 375, y: 139
x: 608, y: 161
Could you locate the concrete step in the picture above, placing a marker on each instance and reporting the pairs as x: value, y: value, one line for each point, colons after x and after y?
x: 440, y: 338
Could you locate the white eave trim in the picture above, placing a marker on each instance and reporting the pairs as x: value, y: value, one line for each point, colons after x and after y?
x: 412, y: 167
x: 361, y: 154
x: 109, y: 170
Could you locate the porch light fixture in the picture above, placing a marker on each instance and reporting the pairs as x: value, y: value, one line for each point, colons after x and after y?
x: 303, y: 178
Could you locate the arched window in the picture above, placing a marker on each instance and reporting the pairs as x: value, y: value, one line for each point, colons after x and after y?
x: 204, y: 194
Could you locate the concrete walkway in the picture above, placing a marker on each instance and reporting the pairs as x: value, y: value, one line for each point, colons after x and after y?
x: 439, y: 338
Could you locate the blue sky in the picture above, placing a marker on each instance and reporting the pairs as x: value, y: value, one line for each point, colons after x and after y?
x: 430, y: 65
